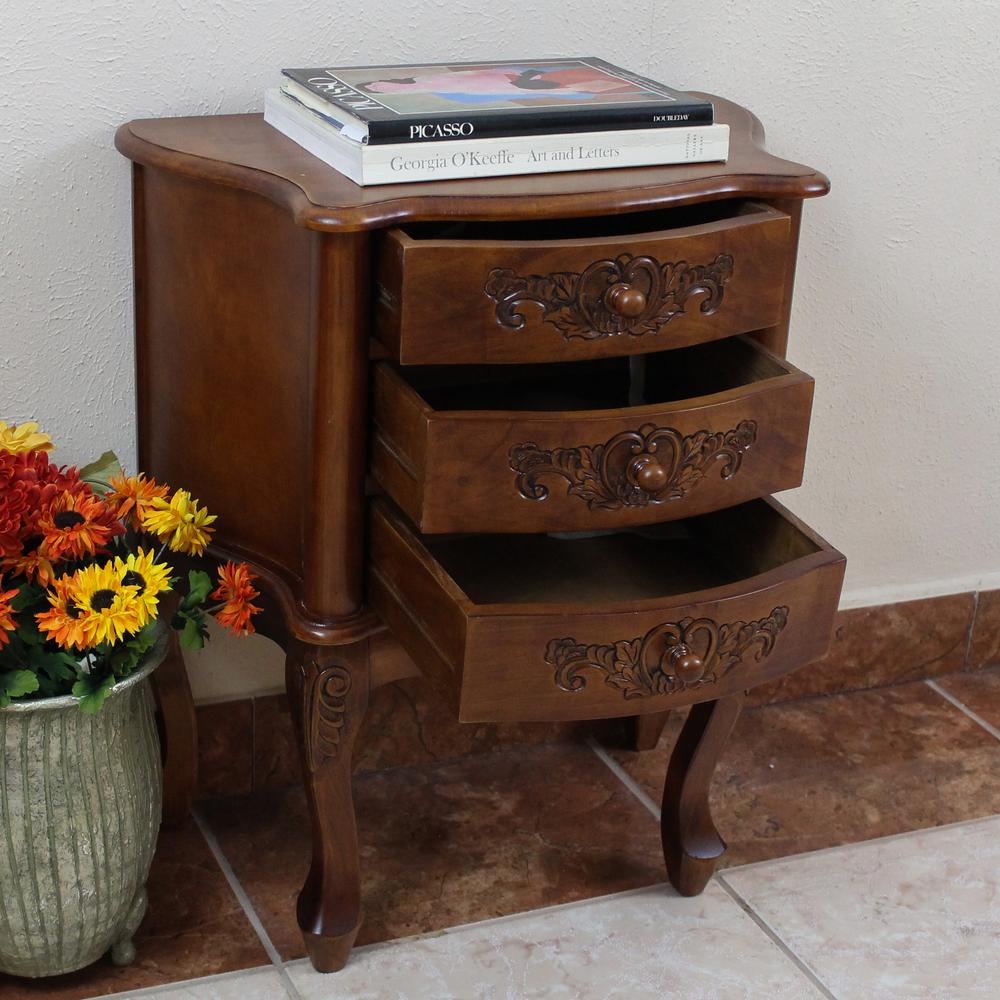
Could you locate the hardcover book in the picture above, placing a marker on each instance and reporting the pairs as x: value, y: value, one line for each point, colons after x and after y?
x: 495, y: 156
x: 447, y: 101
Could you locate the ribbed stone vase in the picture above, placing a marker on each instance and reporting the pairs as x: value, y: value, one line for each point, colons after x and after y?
x: 80, y: 802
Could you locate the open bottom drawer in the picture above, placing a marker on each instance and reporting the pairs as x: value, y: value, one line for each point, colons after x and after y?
x: 536, y: 627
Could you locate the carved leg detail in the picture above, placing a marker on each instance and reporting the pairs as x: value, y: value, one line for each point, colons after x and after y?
x: 692, y: 846
x: 180, y: 734
x: 328, y: 691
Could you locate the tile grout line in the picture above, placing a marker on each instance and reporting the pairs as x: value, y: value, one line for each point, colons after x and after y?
x: 573, y: 904
x: 633, y: 786
x: 972, y: 628
x: 183, y: 984
x: 775, y: 938
x: 848, y: 845
x: 962, y: 707
x: 247, y: 906
x: 624, y: 777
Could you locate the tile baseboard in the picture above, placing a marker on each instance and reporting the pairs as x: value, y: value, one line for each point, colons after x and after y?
x: 249, y: 744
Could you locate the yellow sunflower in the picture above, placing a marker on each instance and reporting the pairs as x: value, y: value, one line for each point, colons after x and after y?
x: 148, y: 577
x: 180, y: 522
x: 23, y: 437
x: 63, y: 621
x: 109, y: 607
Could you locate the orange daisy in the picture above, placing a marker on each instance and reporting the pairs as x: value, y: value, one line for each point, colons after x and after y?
x: 34, y: 562
x: 77, y: 525
x: 132, y: 496
x: 64, y: 621
x: 7, y: 623
x: 237, y: 592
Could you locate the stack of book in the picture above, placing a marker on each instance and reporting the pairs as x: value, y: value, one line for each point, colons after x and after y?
x: 445, y: 121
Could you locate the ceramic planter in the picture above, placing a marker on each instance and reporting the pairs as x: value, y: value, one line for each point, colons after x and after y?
x: 80, y: 803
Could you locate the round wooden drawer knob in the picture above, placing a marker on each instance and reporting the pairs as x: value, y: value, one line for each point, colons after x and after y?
x: 625, y: 300
x: 650, y: 475
x: 687, y: 666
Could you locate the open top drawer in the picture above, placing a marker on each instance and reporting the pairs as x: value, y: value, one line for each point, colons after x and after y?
x: 484, y: 294
x: 559, y: 447
x: 534, y: 627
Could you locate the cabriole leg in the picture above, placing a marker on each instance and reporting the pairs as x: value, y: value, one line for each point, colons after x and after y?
x: 692, y: 846
x: 328, y: 691
x: 646, y: 730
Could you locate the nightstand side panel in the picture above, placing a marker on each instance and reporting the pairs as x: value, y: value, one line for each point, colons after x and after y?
x: 222, y: 354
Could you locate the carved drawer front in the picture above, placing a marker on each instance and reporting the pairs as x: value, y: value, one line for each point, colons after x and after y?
x: 533, y: 627
x: 619, y: 288
x: 559, y: 448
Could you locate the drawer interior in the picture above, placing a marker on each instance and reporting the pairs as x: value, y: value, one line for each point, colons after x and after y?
x: 628, y: 224
x: 700, y: 553
x: 607, y: 383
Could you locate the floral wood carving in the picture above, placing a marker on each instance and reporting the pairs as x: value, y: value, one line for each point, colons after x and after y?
x: 671, y: 657
x: 633, y: 295
x: 325, y: 704
x: 634, y: 468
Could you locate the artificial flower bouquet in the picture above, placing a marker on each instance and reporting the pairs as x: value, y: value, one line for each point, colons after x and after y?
x: 84, y: 565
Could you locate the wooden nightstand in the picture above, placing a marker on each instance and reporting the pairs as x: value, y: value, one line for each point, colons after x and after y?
x: 516, y: 435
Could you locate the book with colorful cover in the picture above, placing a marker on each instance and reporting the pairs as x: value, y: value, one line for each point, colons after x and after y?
x: 474, y: 100
x: 496, y: 156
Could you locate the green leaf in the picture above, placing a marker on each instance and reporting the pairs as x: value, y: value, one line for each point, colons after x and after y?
x: 92, y: 691
x: 145, y: 639
x: 99, y: 473
x: 127, y: 656
x: 58, y: 666
x: 195, y: 631
x: 55, y: 670
x: 18, y: 683
x: 199, y: 585
x: 28, y: 595
x: 29, y: 634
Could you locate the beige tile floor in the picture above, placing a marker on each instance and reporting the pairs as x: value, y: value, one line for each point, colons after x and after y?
x: 908, y: 916
x: 914, y: 916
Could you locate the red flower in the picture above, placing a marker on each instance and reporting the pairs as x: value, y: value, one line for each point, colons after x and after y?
x: 237, y: 591
x: 14, y: 507
x: 29, y: 482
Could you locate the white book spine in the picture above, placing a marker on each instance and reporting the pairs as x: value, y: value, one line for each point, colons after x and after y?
x: 495, y: 157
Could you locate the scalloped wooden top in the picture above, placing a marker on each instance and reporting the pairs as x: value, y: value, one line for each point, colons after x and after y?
x: 244, y: 152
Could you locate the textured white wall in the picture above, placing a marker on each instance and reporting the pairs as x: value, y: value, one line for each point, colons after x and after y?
x: 895, y: 101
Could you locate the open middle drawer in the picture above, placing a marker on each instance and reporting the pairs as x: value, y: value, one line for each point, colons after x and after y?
x: 535, y: 627
x: 589, y: 445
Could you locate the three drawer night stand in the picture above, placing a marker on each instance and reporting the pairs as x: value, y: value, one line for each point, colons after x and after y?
x: 515, y: 435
